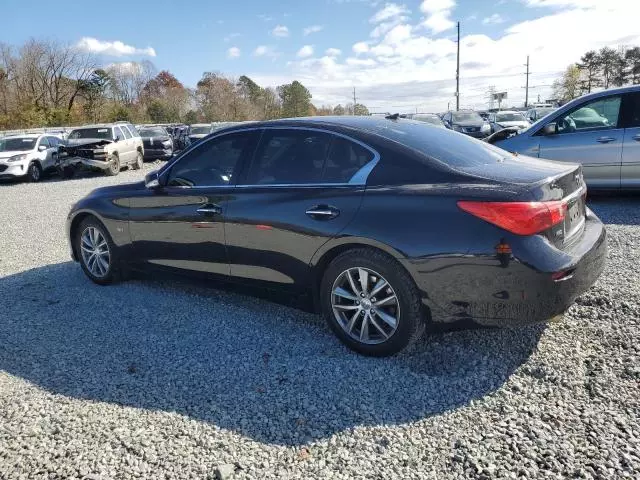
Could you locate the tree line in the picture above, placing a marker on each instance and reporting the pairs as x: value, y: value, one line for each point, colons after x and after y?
x: 604, y: 68
x: 44, y: 83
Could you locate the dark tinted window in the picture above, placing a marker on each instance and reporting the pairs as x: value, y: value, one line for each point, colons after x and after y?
x: 345, y: 159
x: 119, y: 135
x: 212, y: 163
x: 631, y: 110
x: 290, y: 157
x: 44, y: 142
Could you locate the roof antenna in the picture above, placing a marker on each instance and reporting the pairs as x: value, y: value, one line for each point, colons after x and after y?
x: 393, y: 116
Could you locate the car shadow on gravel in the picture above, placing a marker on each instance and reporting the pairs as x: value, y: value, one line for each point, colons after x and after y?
x: 266, y: 371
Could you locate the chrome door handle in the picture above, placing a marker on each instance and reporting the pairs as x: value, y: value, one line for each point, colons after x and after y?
x: 605, y: 139
x: 323, y: 212
x: 210, y: 210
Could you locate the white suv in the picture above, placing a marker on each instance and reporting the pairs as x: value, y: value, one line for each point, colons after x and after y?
x: 107, y: 147
x: 28, y: 156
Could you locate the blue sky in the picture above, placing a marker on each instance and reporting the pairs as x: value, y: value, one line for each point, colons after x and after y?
x: 396, y: 54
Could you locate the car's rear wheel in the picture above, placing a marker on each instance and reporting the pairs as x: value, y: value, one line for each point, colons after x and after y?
x: 371, y: 303
x: 97, y: 252
x: 34, y: 172
x: 114, y: 167
x: 139, y: 162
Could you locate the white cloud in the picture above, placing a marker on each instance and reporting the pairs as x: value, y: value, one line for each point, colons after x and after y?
x: 493, y: 19
x: 230, y: 37
x: 233, y: 52
x: 409, y: 66
x: 280, y: 31
x: 438, y: 14
x: 333, y: 52
x: 312, y: 29
x: 265, y: 51
x: 114, y: 49
x: 390, y: 11
x: 305, y: 51
x: 360, y: 47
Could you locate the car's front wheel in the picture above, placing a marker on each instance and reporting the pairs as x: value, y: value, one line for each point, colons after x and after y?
x: 114, y: 166
x: 96, y: 251
x: 371, y: 303
x: 34, y: 172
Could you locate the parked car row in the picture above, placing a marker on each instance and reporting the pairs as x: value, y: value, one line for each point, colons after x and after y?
x: 107, y: 147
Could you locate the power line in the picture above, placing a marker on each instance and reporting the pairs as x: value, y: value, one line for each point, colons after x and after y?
x: 458, y: 73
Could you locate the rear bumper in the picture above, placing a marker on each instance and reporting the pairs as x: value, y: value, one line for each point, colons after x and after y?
x: 492, y: 291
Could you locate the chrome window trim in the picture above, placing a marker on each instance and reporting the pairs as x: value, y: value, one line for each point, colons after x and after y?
x: 358, y: 179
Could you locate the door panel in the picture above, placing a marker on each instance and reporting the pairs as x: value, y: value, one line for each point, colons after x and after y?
x: 600, y: 161
x: 271, y: 238
x: 168, y: 231
x: 630, y: 172
x: 591, y: 134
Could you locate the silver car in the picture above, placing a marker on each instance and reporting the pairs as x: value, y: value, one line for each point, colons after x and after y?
x: 600, y: 130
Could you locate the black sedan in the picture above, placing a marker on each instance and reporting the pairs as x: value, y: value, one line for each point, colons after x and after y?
x: 158, y: 144
x: 392, y: 227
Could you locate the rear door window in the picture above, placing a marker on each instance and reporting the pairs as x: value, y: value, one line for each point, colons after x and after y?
x: 344, y: 161
x: 287, y: 157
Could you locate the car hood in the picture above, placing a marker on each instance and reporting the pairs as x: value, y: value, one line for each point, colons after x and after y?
x: 88, y: 142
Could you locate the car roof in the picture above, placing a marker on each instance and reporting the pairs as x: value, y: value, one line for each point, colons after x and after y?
x: 508, y: 111
x: 27, y: 135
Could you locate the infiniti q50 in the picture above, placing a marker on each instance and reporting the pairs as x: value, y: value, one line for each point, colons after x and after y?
x: 392, y: 225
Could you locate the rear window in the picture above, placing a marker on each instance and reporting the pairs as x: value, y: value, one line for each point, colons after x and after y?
x: 453, y: 149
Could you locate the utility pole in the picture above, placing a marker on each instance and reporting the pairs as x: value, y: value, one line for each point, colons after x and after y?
x: 526, y: 95
x: 354, y: 100
x: 458, y: 73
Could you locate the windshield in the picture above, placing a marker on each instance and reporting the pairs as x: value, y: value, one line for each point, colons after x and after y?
x: 509, y: 117
x: 101, y: 133
x: 17, y: 144
x: 466, y: 117
x: 432, y: 119
x: 153, y: 132
x: 201, y: 130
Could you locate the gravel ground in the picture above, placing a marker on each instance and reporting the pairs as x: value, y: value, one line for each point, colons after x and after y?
x: 151, y: 379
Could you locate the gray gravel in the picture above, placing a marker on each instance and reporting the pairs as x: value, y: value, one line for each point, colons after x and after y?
x: 152, y: 379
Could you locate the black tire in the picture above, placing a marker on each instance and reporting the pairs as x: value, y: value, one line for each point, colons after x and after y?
x: 411, y: 322
x: 114, y: 167
x: 34, y: 172
x: 139, y: 161
x: 113, y: 274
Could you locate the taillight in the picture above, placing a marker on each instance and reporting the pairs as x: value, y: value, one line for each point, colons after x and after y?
x: 521, y: 218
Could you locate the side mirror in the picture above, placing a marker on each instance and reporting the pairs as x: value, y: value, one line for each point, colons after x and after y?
x: 152, y: 180
x: 550, y: 128
x: 115, y: 139
x: 42, y: 148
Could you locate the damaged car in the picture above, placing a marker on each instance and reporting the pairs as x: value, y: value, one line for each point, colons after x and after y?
x: 105, y: 147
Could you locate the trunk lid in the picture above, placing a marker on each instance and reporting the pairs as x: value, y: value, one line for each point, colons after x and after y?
x: 546, y: 181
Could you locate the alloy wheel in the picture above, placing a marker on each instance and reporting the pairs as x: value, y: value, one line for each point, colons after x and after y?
x: 365, y: 305
x: 35, y: 172
x: 95, y: 251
